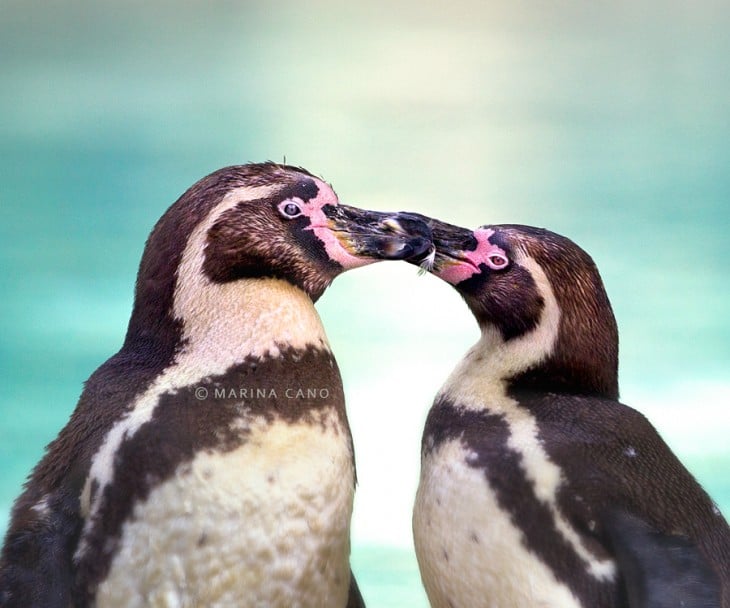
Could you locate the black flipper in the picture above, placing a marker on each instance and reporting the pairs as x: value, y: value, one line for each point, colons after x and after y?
x: 660, y: 570
x: 354, y: 600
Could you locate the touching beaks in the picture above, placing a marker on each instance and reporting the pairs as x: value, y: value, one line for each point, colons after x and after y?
x: 377, y: 235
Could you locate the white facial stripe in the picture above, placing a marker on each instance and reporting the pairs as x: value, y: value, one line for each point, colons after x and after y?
x: 222, y: 325
x: 478, y: 383
x: 224, y: 320
x: 320, y: 225
x: 509, y: 358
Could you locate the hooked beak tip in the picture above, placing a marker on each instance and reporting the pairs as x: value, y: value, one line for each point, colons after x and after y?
x: 385, y: 236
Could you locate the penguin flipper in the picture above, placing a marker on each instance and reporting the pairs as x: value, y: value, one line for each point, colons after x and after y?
x: 36, y: 569
x: 660, y: 570
x: 355, y: 599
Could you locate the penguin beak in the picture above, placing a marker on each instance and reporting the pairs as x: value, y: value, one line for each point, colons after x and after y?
x: 382, y: 236
x: 452, y: 244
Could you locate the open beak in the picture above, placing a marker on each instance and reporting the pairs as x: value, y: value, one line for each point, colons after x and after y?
x: 378, y: 235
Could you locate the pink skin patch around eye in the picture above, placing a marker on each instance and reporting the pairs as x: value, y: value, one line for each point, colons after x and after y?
x: 321, y: 229
x: 456, y: 271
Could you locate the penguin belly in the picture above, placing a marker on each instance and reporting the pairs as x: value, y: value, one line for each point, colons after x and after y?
x: 265, y: 524
x: 469, y: 551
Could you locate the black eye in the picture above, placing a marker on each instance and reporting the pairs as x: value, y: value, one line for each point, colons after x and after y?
x: 290, y: 210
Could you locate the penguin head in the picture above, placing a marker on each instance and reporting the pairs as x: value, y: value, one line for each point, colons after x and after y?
x: 251, y: 222
x: 541, y: 300
x: 297, y: 230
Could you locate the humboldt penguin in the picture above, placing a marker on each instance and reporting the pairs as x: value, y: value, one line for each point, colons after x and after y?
x: 537, y: 486
x: 210, y: 462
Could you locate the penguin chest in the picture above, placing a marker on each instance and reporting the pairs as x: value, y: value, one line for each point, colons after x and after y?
x: 265, y: 524
x: 469, y: 551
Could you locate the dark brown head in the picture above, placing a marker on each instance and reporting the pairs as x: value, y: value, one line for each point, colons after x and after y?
x: 540, y: 298
x: 252, y: 222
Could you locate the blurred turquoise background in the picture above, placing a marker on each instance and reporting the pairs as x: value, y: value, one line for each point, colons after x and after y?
x: 606, y: 121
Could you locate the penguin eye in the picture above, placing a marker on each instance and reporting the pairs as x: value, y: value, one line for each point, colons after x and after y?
x: 497, y: 261
x: 290, y: 210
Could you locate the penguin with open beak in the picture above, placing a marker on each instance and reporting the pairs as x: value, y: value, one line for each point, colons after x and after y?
x: 538, y: 487
x: 210, y: 462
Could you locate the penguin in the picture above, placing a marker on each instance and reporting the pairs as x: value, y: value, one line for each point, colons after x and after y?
x: 537, y: 486
x: 210, y: 462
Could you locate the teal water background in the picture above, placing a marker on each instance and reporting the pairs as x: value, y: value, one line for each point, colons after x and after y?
x: 606, y: 121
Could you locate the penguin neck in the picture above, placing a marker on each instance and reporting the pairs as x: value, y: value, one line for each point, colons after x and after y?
x: 248, y: 318
x: 481, y: 379
x: 497, y: 371
x: 484, y: 374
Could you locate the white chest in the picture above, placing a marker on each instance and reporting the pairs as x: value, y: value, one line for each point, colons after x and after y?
x: 469, y: 552
x: 264, y: 525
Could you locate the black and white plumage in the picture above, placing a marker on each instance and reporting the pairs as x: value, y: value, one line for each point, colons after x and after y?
x: 210, y: 462
x: 538, y: 487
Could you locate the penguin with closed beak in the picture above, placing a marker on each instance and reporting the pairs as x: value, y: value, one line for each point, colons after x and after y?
x: 210, y: 462
x: 537, y: 486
